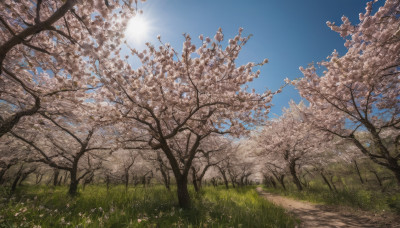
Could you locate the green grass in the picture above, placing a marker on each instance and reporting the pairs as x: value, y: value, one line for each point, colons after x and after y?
x: 369, y: 200
x: 139, y: 207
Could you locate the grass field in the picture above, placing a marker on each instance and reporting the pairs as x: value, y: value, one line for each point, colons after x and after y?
x: 39, y: 206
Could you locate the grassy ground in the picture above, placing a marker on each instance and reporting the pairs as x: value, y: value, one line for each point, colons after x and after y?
x: 358, y: 198
x: 151, y: 207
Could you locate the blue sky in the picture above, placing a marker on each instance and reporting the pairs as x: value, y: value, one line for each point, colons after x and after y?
x: 290, y: 33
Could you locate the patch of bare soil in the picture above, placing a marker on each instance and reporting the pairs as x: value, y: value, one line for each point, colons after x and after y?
x: 314, y: 215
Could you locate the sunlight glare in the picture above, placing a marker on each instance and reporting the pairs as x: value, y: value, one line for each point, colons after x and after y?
x: 137, y: 29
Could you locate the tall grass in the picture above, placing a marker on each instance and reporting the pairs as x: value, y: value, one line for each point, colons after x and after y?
x: 138, y: 207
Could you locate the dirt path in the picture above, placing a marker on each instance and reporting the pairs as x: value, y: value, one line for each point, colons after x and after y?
x: 313, y: 215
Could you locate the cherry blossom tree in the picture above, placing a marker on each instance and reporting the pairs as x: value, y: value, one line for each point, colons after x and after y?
x: 237, y: 164
x: 185, y: 97
x: 6, y: 164
x: 223, y: 168
x: 278, y: 171
x: 158, y: 160
x: 272, y: 165
x: 209, y: 154
x: 68, y: 142
x: 359, y: 91
x: 291, y: 140
x: 22, y: 173
x: 45, y: 46
x: 123, y: 162
x: 350, y: 155
x: 327, y: 156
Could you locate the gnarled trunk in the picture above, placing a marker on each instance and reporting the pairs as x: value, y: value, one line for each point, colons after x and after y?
x: 25, y: 174
x: 326, y: 181
x: 73, y: 186
x: 181, y: 176
x: 292, y: 168
x: 183, y: 193
x: 16, y: 180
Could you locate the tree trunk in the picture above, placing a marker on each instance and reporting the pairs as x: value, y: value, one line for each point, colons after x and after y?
x: 292, y: 167
x: 358, y: 171
x: 23, y: 177
x: 39, y: 178
x: 55, y: 178
x: 165, y: 177
x: 233, y: 182
x: 136, y: 180
x: 48, y: 182
x: 194, y: 180
x: 60, y: 180
x: 144, y: 181
x: 333, y: 184
x: 377, y: 177
x: 14, y: 185
x: 73, y: 186
x: 183, y: 193
x: 17, y: 178
x: 108, y: 182
x: 397, y: 175
x: 2, y: 172
x: 181, y: 177
x: 241, y: 181
x: 305, y: 183
x: 394, y: 166
x: 66, y: 177
x: 149, y: 179
x: 281, y: 180
x: 225, y: 179
x: 272, y: 181
x: 326, y: 181
x: 392, y: 163
x: 126, y: 180
x: 199, y: 182
x: 214, y: 182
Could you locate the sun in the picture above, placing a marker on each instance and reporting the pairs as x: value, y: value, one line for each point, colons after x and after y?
x: 138, y: 29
